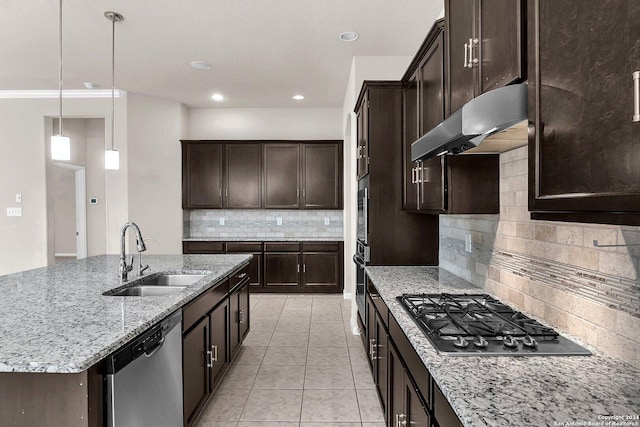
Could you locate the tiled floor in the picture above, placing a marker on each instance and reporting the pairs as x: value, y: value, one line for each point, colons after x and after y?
x: 299, y: 366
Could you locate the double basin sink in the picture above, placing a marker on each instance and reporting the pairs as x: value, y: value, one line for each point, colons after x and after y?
x: 156, y: 285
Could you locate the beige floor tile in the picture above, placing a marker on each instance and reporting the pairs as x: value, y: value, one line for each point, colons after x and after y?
x: 322, y: 326
x: 265, y: 314
x: 279, y: 378
x: 298, y: 315
x: 203, y: 423
x: 369, y: 404
x: 226, y: 405
x: 250, y: 355
x: 329, y: 424
x: 327, y: 338
x: 289, y: 339
x: 267, y: 424
x: 267, y: 325
x: 328, y: 378
x: 292, y: 325
x: 325, y: 355
x: 373, y: 424
x: 273, y: 405
x: 257, y: 339
x: 326, y: 314
x: 353, y: 340
x: 330, y: 406
x: 239, y: 377
x: 297, y: 303
x: 362, y: 377
x: 285, y: 356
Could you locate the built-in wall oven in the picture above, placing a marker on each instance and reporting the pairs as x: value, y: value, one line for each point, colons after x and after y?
x: 362, y: 255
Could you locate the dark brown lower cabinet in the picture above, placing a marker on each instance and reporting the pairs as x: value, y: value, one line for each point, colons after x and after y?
x: 281, y: 270
x: 217, y: 352
x: 255, y: 265
x: 405, y: 404
x: 195, y: 345
x: 239, y: 324
x: 378, y: 340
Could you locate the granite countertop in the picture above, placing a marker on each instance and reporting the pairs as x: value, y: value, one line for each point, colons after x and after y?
x: 262, y: 239
x: 55, y: 319
x: 508, y: 391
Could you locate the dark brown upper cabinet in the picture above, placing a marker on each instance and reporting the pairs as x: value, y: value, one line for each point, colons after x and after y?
x: 257, y: 174
x: 281, y: 181
x: 321, y: 176
x: 362, y: 154
x: 243, y: 169
x: 485, y: 40
x: 410, y: 126
x: 584, y: 151
x: 201, y: 176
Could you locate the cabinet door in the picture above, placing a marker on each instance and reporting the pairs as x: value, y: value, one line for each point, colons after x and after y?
x: 234, y: 323
x: 219, y: 327
x: 281, y: 182
x: 500, y: 34
x: 321, y: 271
x: 409, y: 135
x: 380, y: 362
x: 362, y: 156
x: 431, y: 86
x: 432, y: 184
x: 195, y: 345
x: 321, y: 176
x: 416, y: 414
x: 459, y: 27
x: 281, y: 269
x: 371, y: 333
x: 243, y: 172
x: 244, y: 319
x: 255, y: 270
x: 396, y: 398
x: 201, y: 175
x: 584, y: 154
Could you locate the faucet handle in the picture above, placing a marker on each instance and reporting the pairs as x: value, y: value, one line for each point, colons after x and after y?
x: 130, y: 263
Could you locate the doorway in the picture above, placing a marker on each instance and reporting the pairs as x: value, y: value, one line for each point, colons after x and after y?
x: 70, y: 212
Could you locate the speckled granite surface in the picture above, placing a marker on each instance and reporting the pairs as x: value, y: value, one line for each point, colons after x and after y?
x: 262, y: 239
x: 510, y: 391
x: 55, y: 319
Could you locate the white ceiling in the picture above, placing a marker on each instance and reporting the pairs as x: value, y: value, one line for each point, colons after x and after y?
x: 262, y: 51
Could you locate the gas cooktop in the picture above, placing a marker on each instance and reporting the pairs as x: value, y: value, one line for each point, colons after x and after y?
x: 480, y: 325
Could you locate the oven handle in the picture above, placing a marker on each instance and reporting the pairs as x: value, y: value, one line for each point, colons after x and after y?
x: 358, y: 261
x: 365, y: 209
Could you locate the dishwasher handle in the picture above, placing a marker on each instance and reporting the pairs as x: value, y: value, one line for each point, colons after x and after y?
x: 155, y: 349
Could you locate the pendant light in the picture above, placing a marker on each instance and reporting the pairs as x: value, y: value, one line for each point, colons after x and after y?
x: 112, y: 156
x: 60, y: 144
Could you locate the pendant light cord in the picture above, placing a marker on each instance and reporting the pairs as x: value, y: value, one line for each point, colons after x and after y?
x: 60, y: 73
x: 113, y: 76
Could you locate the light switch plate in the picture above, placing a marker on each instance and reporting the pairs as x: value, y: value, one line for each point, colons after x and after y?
x: 14, y: 211
x: 326, y: 221
x: 467, y: 242
x: 221, y: 221
x: 18, y: 198
x: 279, y: 221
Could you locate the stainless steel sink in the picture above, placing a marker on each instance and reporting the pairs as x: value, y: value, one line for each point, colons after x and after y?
x: 156, y: 285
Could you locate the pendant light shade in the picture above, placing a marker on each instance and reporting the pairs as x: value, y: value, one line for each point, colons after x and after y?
x: 111, y: 155
x: 60, y: 144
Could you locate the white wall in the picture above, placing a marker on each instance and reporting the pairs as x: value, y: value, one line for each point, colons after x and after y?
x: 25, y: 123
x: 265, y: 123
x: 155, y: 170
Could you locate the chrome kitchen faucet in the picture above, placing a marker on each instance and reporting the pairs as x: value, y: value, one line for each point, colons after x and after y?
x: 125, y: 267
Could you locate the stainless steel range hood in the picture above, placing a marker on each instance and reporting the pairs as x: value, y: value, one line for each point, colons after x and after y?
x: 492, y: 113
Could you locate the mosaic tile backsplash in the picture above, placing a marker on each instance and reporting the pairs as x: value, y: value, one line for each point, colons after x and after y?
x: 551, y: 269
x: 263, y: 224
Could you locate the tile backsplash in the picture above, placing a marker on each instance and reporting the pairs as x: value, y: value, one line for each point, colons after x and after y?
x: 263, y: 224
x: 551, y: 269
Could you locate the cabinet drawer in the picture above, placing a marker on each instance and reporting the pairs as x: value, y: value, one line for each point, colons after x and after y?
x: 202, y: 247
x: 281, y: 247
x: 199, y: 307
x: 442, y: 410
x: 241, y: 275
x: 320, y: 246
x: 381, y: 307
x: 415, y: 367
x: 244, y: 247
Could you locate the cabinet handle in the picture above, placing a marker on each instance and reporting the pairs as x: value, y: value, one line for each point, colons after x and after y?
x: 220, y: 192
x: 466, y: 50
x: 298, y: 268
x: 226, y: 192
x: 636, y: 96
x: 402, y: 420
x: 297, y: 192
x: 209, y: 355
x: 241, y: 316
x: 215, y: 353
x: 472, y: 61
x: 372, y: 346
x: 304, y: 268
x: 242, y: 276
x: 413, y: 175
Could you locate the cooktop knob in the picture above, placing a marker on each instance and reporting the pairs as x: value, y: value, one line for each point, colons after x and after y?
x: 479, y: 341
x: 510, y: 342
x: 460, y: 342
x: 528, y: 341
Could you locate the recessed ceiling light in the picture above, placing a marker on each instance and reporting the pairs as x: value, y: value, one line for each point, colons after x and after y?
x: 217, y: 97
x: 90, y: 85
x: 201, y: 65
x: 348, y: 36
x: 298, y: 97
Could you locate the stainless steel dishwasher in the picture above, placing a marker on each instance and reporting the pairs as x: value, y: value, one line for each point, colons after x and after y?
x: 144, y: 378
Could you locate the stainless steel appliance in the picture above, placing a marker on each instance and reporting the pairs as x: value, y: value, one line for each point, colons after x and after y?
x: 362, y: 255
x: 480, y: 325
x: 144, y: 378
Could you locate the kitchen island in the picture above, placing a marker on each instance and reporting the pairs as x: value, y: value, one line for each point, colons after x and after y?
x: 507, y: 391
x: 56, y: 326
